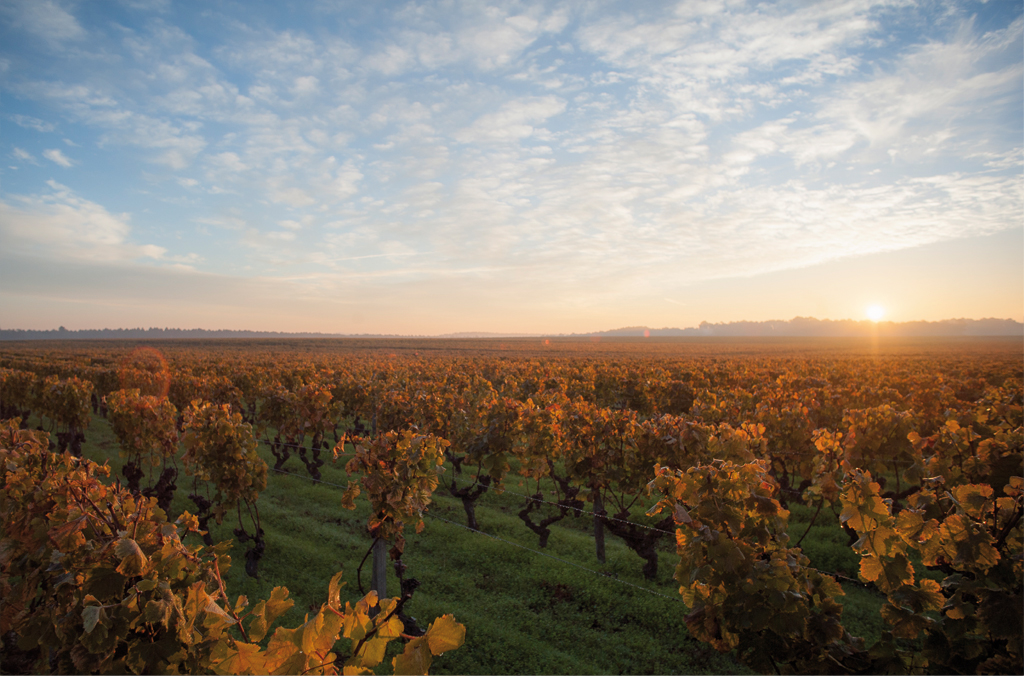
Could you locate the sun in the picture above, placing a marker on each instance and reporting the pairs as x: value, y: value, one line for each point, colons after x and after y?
x: 875, y: 312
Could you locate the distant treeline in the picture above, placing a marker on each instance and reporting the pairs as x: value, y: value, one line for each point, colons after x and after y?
x: 151, y: 333
x: 811, y: 327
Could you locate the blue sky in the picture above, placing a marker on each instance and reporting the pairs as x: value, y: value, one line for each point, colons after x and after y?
x: 429, y: 167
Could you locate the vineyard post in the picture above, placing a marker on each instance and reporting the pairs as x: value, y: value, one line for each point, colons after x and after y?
x: 599, y: 525
x: 379, y: 579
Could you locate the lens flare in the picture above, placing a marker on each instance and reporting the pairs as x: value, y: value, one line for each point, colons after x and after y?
x: 145, y: 369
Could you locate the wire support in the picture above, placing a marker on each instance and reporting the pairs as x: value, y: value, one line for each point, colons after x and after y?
x: 556, y: 558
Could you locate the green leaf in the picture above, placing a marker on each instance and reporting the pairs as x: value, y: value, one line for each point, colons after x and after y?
x: 133, y: 561
x: 1001, y: 612
x: 920, y: 598
x: 905, y: 623
x: 91, y: 617
x: 968, y: 544
x: 153, y: 657
x: 159, y: 611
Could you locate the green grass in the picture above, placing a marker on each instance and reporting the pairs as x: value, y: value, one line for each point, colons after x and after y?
x: 524, y: 612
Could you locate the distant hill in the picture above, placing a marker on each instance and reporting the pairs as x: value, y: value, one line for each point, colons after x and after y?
x: 811, y: 327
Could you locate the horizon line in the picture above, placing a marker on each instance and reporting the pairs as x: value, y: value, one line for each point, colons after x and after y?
x: 703, y: 327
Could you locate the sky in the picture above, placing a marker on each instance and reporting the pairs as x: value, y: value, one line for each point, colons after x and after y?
x: 430, y: 167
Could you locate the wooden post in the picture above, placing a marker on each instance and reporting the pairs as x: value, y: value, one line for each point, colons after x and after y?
x: 599, y: 526
x: 379, y: 578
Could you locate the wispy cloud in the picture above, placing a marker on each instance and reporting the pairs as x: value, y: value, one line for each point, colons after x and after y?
x: 56, y: 156
x: 29, y: 122
x: 24, y: 156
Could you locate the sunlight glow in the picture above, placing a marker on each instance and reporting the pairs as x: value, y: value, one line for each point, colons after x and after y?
x: 875, y: 312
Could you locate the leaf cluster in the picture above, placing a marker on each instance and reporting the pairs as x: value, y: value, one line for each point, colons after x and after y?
x: 221, y: 449
x: 145, y: 426
x: 399, y: 474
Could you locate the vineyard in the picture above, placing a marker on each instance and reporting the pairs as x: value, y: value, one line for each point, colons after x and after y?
x: 673, y: 506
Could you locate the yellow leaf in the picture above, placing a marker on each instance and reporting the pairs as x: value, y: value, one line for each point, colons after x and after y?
x: 369, y: 601
x: 445, y: 634
x: 415, y: 659
x: 890, y: 574
x: 284, y: 651
x: 334, y: 591
x: 372, y: 651
x: 870, y: 568
x: 216, y: 611
x: 242, y: 658
x: 348, y: 498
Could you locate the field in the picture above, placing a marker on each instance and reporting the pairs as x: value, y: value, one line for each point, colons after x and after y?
x: 558, y: 608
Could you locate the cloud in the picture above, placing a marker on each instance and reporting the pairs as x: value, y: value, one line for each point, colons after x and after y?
x: 33, y: 123
x: 486, y: 38
x: 55, y: 155
x: 24, y: 156
x: 513, y: 121
x: 176, y: 143
x: 45, y: 19
x: 147, y: 5
x: 229, y: 162
x: 63, y: 226
x: 936, y: 93
x: 338, y: 182
x: 293, y: 196
x: 306, y: 85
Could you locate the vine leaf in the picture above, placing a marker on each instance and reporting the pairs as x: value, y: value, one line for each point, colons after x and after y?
x: 91, y: 616
x: 133, y: 561
x: 889, y: 574
x: 445, y: 634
